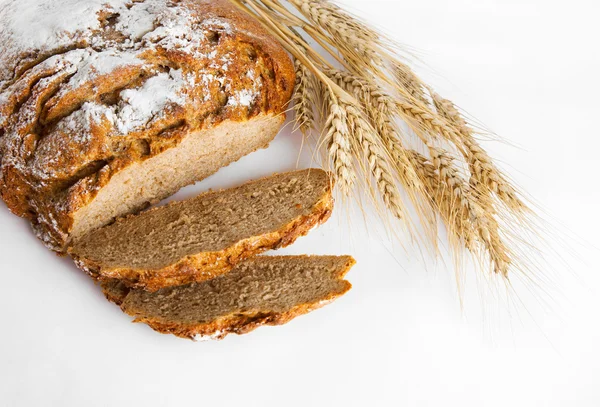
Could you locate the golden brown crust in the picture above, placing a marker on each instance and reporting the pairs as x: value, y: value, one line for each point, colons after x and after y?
x: 237, y: 323
x: 206, y: 266
x: 67, y: 125
x: 114, y: 291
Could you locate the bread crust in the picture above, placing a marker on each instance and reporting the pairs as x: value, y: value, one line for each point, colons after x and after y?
x: 64, y: 128
x: 236, y: 323
x: 208, y: 265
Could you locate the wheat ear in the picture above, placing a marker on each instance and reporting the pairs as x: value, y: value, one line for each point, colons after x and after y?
x: 472, y: 211
x: 305, y: 98
x: 406, y: 79
x: 379, y: 108
x: 484, y: 173
x: 354, y: 39
x: 338, y: 141
x: 377, y: 159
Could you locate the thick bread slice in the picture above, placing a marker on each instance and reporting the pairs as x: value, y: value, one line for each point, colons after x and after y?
x: 260, y: 291
x: 201, y: 238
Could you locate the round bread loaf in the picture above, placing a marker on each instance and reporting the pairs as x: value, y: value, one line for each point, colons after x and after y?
x: 109, y: 105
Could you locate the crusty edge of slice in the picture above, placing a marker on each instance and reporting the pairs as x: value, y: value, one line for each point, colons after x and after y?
x: 238, y: 323
x: 208, y: 265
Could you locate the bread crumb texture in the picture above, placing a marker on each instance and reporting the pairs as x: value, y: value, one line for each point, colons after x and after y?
x: 263, y: 290
x: 201, y: 238
x: 90, y: 87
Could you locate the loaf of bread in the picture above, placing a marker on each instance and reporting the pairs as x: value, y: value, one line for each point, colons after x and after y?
x: 260, y: 291
x: 109, y: 105
x: 201, y: 238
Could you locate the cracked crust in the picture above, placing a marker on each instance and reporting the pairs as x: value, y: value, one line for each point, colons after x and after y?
x: 240, y: 322
x: 73, y: 113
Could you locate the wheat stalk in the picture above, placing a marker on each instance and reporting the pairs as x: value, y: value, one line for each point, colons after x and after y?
x: 335, y: 20
x: 304, y: 98
x: 407, y: 79
x: 356, y: 41
x: 443, y: 199
x: 471, y: 210
x: 484, y: 173
x: 367, y: 138
x: 458, y: 182
x: 460, y: 208
x: 338, y: 141
x: 377, y: 159
x: 379, y: 107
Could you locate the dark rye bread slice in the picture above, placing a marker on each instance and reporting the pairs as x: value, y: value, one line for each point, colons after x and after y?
x: 203, y: 237
x: 263, y: 290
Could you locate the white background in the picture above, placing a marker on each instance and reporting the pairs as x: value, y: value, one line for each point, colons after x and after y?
x: 529, y: 69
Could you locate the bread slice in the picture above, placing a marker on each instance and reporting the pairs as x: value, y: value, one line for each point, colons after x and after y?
x: 206, y: 236
x: 260, y: 291
x: 199, y: 155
